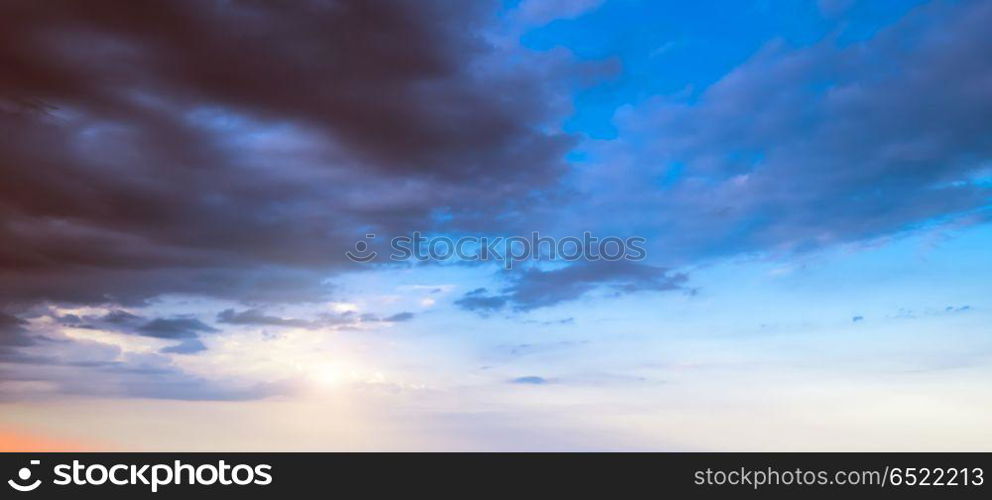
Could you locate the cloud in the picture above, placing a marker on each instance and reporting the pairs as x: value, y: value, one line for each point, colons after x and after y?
x: 479, y: 300
x: 120, y: 317
x: 80, y: 366
x: 530, y: 380
x: 536, y: 288
x: 539, y: 12
x: 347, y: 319
x: 237, y: 149
x: 802, y: 148
x: 257, y: 317
x: 191, y: 346
x: 399, y: 317
x: 175, y: 328
x: 833, y: 8
x: 564, y: 321
x: 12, y: 332
x: 188, y: 388
x: 539, y: 348
x: 907, y: 313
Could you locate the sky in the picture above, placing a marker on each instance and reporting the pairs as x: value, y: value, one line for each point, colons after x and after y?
x: 183, y: 181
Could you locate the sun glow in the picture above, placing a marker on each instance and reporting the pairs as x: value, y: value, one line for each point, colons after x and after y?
x: 326, y: 375
x: 343, y: 307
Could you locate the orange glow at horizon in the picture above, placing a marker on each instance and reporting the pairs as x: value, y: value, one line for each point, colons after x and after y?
x: 14, y: 441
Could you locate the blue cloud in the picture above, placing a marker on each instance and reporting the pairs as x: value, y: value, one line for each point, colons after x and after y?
x: 803, y: 147
x: 530, y: 380
x: 535, y: 288
x: 191, y: 346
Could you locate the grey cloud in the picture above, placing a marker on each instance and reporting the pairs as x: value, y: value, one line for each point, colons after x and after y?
x: 118, y: 317
x: 257, y: 317
x: 349, y: 319
x: 399, y: 317
x: 83, y: 367
x: 191, y: 346
x: 175, y: 328
x: 12, y: 332
x: 183, y: 387
x: 69, y: 319
x: 236, y: 149
x: 480, y: 300
x: 536, y: 288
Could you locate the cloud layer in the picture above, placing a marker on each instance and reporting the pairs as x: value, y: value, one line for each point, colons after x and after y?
x: 535, y: 288
x: 802, y: 148
x: 236, y: 147
x: 224, y: 155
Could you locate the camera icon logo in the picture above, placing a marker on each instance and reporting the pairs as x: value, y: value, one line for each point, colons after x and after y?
x: 24, y: 474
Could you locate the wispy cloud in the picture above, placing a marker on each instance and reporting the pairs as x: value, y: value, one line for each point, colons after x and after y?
x: 535, y: 288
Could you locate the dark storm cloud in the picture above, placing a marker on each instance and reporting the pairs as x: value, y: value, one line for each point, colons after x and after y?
x: 12, y: 332
x: 801, y: 148
x: 536, y: 288
x: 236, y: 149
